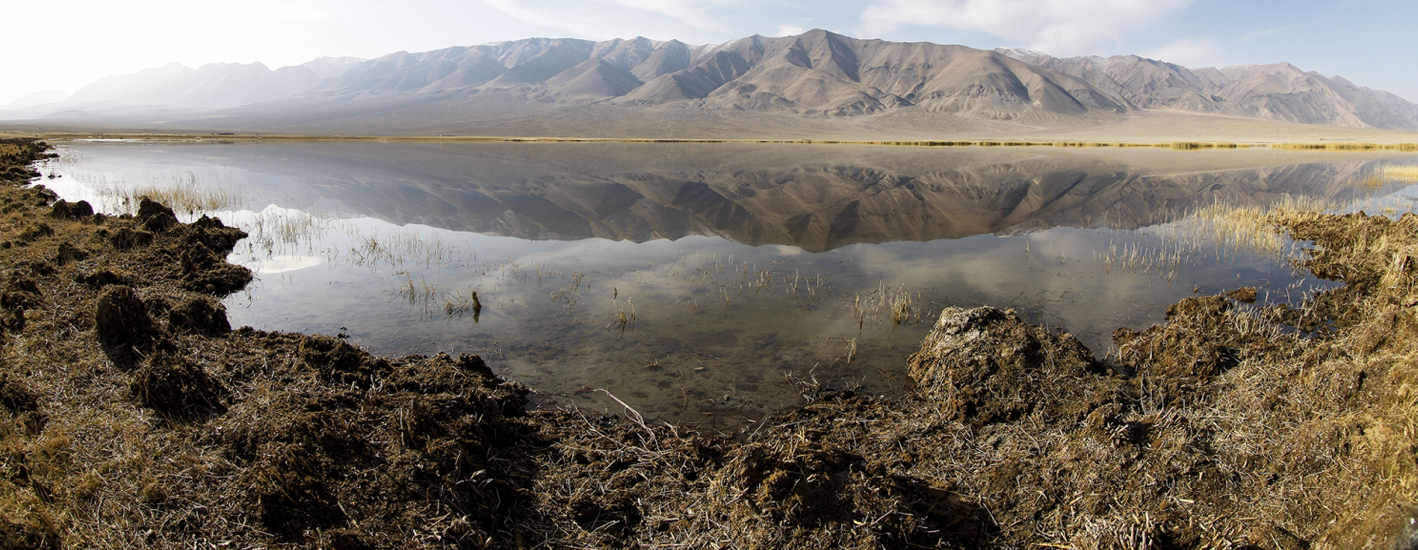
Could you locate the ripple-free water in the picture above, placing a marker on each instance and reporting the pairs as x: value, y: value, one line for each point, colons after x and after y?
x: 707, y: 284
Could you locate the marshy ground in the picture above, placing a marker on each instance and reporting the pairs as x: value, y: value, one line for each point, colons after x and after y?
x: 132, y: 415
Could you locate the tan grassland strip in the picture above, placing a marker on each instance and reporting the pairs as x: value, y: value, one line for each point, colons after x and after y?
x: 1176, y: 145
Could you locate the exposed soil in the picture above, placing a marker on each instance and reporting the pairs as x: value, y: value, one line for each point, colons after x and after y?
x: 132, y: 415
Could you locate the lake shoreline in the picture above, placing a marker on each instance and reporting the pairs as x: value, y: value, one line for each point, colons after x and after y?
x: 134, y: 416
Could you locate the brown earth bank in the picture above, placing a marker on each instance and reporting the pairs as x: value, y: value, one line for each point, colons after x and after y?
x: 132, y: 415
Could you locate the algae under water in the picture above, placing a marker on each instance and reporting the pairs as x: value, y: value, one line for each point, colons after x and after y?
x: 711, y: 284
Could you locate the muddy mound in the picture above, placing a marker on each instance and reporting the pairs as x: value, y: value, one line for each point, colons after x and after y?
x: 203, y: 260
x: 984, y: 366
x: 176, y: 386
x: 121, y: 319
x: 155, y: 216
x: 1194, y: 344
x: 76, y: 210
x: 342, y: 440
x: 837, y: 473
x: 15, y: 396
x: 199, y: 315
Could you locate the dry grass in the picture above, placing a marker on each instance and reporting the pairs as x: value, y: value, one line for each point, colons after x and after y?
x: 1196, y: 145
x: 279, y: 230
x: 898, y: 305
x: 458, y: 304
x: 1405, y: 172
x: 397, y: 249
x: 185, y: 193
x: 624, y: 316
x: 1253, y: 228
x: 1348, y: 146
x: 1216, y: 232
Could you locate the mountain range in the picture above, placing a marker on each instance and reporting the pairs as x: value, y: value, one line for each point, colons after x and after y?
x: 818, y: 76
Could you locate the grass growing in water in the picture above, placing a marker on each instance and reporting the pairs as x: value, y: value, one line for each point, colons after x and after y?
x: 1347, y: 146
x: 276, y: 230
x: 1405, y: 172
x: 185, y: 193
x: 624, y: 314
x: 1217, y: 232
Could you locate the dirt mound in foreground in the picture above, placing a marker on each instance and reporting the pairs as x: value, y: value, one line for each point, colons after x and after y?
x: 131, y: 416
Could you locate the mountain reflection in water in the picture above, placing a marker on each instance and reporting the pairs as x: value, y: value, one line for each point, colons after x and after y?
x: 816, y: 197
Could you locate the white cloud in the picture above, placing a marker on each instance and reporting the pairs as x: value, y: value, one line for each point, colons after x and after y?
x: 686, y: 12
x: 1192, y: 53
x: 1262, y: 34
x: 601, y: 19
x: 271, y: 9
x: 1059, y: 27
x: 788, y: 30
x: 538, y: 18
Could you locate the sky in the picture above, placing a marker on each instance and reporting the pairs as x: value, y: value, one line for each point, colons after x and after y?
x: 66, y: 44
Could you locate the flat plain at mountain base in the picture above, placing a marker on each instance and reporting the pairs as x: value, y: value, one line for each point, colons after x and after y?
x: 134, y: 417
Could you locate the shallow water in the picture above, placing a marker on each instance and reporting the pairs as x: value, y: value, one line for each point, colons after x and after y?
x: 710, y: 284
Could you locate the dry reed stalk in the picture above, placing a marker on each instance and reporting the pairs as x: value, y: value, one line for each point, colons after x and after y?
x: 1406, y: 172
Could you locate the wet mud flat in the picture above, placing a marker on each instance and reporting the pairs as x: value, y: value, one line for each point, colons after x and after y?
x: 132, y: 415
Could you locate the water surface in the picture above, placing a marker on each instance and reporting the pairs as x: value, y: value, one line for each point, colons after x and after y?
x: 710, y: 283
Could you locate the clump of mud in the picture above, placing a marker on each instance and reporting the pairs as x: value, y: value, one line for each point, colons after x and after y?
x: 200, y: 315
x: 176, y: 386
x: 351, y: 442
x: 121, y: 320
x: 983, y: 366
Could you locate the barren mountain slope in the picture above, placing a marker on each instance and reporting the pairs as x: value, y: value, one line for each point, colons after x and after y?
x: 1278, y: 91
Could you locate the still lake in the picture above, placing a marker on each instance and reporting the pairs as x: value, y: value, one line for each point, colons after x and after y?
x: 706, y: 284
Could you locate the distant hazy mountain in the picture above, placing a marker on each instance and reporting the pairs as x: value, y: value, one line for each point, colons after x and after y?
x: 1279, y: 91
x: 37, y: 98
x: 554, y: 85
x: 176, y: 87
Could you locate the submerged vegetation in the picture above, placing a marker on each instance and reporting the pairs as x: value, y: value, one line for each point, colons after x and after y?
x: 131, y: 415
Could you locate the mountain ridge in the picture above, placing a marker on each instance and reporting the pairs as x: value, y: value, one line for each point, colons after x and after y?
x: 817, y: 74
x: 1273, y: 91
